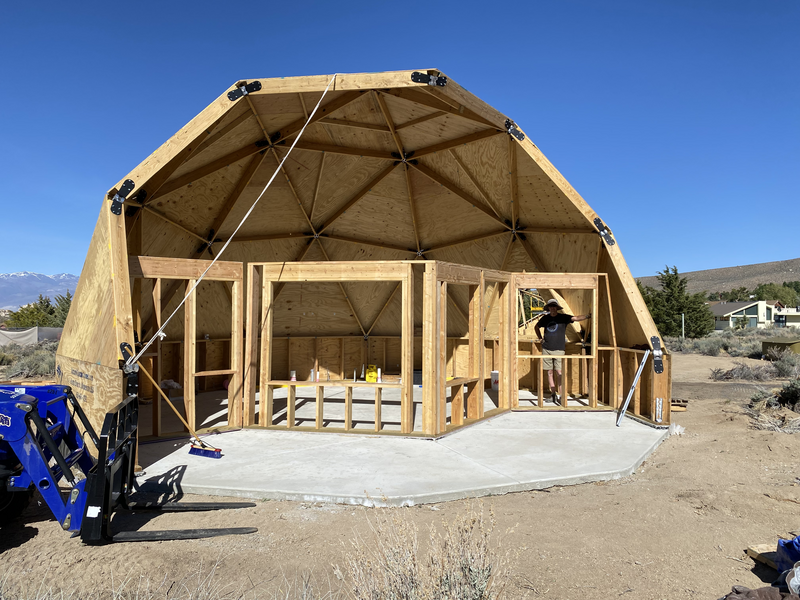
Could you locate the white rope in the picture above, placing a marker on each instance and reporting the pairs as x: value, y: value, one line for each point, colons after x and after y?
x: 160, y: 333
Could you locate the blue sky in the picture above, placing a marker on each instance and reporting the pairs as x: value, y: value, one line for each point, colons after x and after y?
x: 677, y: 120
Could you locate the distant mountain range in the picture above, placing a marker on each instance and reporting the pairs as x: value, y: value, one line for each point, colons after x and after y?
x: 727, y: 278
x: 18, y: 289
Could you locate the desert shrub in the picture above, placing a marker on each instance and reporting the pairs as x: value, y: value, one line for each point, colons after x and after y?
x: 786, y: 362
x: 710, y: 346
x: 789, y: 395
x: 760, y: 372
x: 747, y: 348
x: 39, y: 363
x: 460, y: 564
x: 6, y: 358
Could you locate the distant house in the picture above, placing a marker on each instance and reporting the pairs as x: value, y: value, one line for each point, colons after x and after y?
x: 787, y: 316
x: 756, y: 313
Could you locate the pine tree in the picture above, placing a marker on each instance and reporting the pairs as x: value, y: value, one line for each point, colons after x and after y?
x: 667, y: 304
x: 36, y: 314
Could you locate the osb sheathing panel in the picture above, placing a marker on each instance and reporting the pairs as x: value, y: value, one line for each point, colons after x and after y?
x: 89, y: 329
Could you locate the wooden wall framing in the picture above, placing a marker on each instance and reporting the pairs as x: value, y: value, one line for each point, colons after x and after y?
x: 189, y: 271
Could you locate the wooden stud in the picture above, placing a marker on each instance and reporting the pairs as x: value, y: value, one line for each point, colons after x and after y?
x: 378, y: 399
x: 348, y: 408
x: 457, y: 405
x: 442, y: 374
x: 592, y: 366
x: 190, y: 352
x: 430, y: 352
x: 265, y: 373
x: 235, y: 381
x: 407, y: 352
x: 320, y: 420
x: 251, y: 346
x: 158, y: 351
x: 291, y: 401
x: 476, y: 350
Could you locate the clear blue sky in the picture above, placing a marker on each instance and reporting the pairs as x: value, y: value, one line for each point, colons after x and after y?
x: 677, y: 120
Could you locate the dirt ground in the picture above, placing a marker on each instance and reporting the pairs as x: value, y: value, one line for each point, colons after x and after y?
x: 675, y: 529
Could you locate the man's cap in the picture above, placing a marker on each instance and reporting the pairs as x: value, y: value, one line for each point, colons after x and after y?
x: 552, y: 302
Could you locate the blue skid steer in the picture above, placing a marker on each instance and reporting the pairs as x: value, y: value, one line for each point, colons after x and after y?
x: 43, y: 432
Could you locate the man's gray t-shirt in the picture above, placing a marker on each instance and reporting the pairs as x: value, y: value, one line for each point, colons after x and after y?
x: 555, y: 331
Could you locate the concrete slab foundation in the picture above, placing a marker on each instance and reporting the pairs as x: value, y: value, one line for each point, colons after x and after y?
x: 509, y: 453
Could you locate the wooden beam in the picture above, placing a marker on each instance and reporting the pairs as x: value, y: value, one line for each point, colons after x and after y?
x: 476, y: 352
x: 235, y: 382
x: 207, y: 169
x: 512, y: 173
x: 156, y: 267
x: 495, y: 288
x: 346, y: 150
x: 173, y: 223
x: 251, y: 350
x: 322, y: 112
x: 119, y: 279
x: 462, y: 141
x: 271, y: 236
x: 438, y: 178
x: 316, y: 187
x: 233, y: 197
x: 411, y: 205
x: 473, y: 238
x: 265, y: 408
x: 419, y: 96
x: 358, y: 195
x: 353, y: 124
x: 291, y: 187
x: 385, y: 305
x: 301, y: 255
x: 389, y: 122
x: 344, y: 292
x: 484, y: 194
x: 407, y: 353
x: 430, y: 351
x: 211, y: 139
x: 422, y: 119
x: 341, y: 238
x: 189, y: 353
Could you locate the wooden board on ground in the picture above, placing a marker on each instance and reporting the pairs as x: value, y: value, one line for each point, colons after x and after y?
x: 764, y: 553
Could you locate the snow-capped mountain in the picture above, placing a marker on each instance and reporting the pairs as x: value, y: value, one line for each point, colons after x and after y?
x: 18, y: 289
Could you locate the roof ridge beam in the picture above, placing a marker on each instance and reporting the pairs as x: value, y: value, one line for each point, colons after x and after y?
x: 354, y: 124
x: 334, y: 149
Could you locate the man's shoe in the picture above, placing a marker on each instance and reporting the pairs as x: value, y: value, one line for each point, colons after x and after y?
x: 554, y: 398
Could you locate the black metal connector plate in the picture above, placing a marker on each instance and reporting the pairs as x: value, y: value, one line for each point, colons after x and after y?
x: 604, y: 232
x: 119, y: 197
x: 512, y: 129
x: 243, y: 90
x: 434, y: 80
x: 658, y: 354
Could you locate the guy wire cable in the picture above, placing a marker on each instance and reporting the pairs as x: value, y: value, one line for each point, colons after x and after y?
x: 160, y: 333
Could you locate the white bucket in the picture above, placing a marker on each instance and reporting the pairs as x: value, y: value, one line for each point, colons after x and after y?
x: 495, y: 380
x: 292, y: 375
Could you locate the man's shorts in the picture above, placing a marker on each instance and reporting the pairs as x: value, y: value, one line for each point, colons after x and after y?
x: 551, y: 364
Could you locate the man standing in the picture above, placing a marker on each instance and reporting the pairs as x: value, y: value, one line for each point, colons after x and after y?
x: 555, y: 332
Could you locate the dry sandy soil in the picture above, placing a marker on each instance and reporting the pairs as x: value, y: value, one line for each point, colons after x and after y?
x: 676, y: 529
